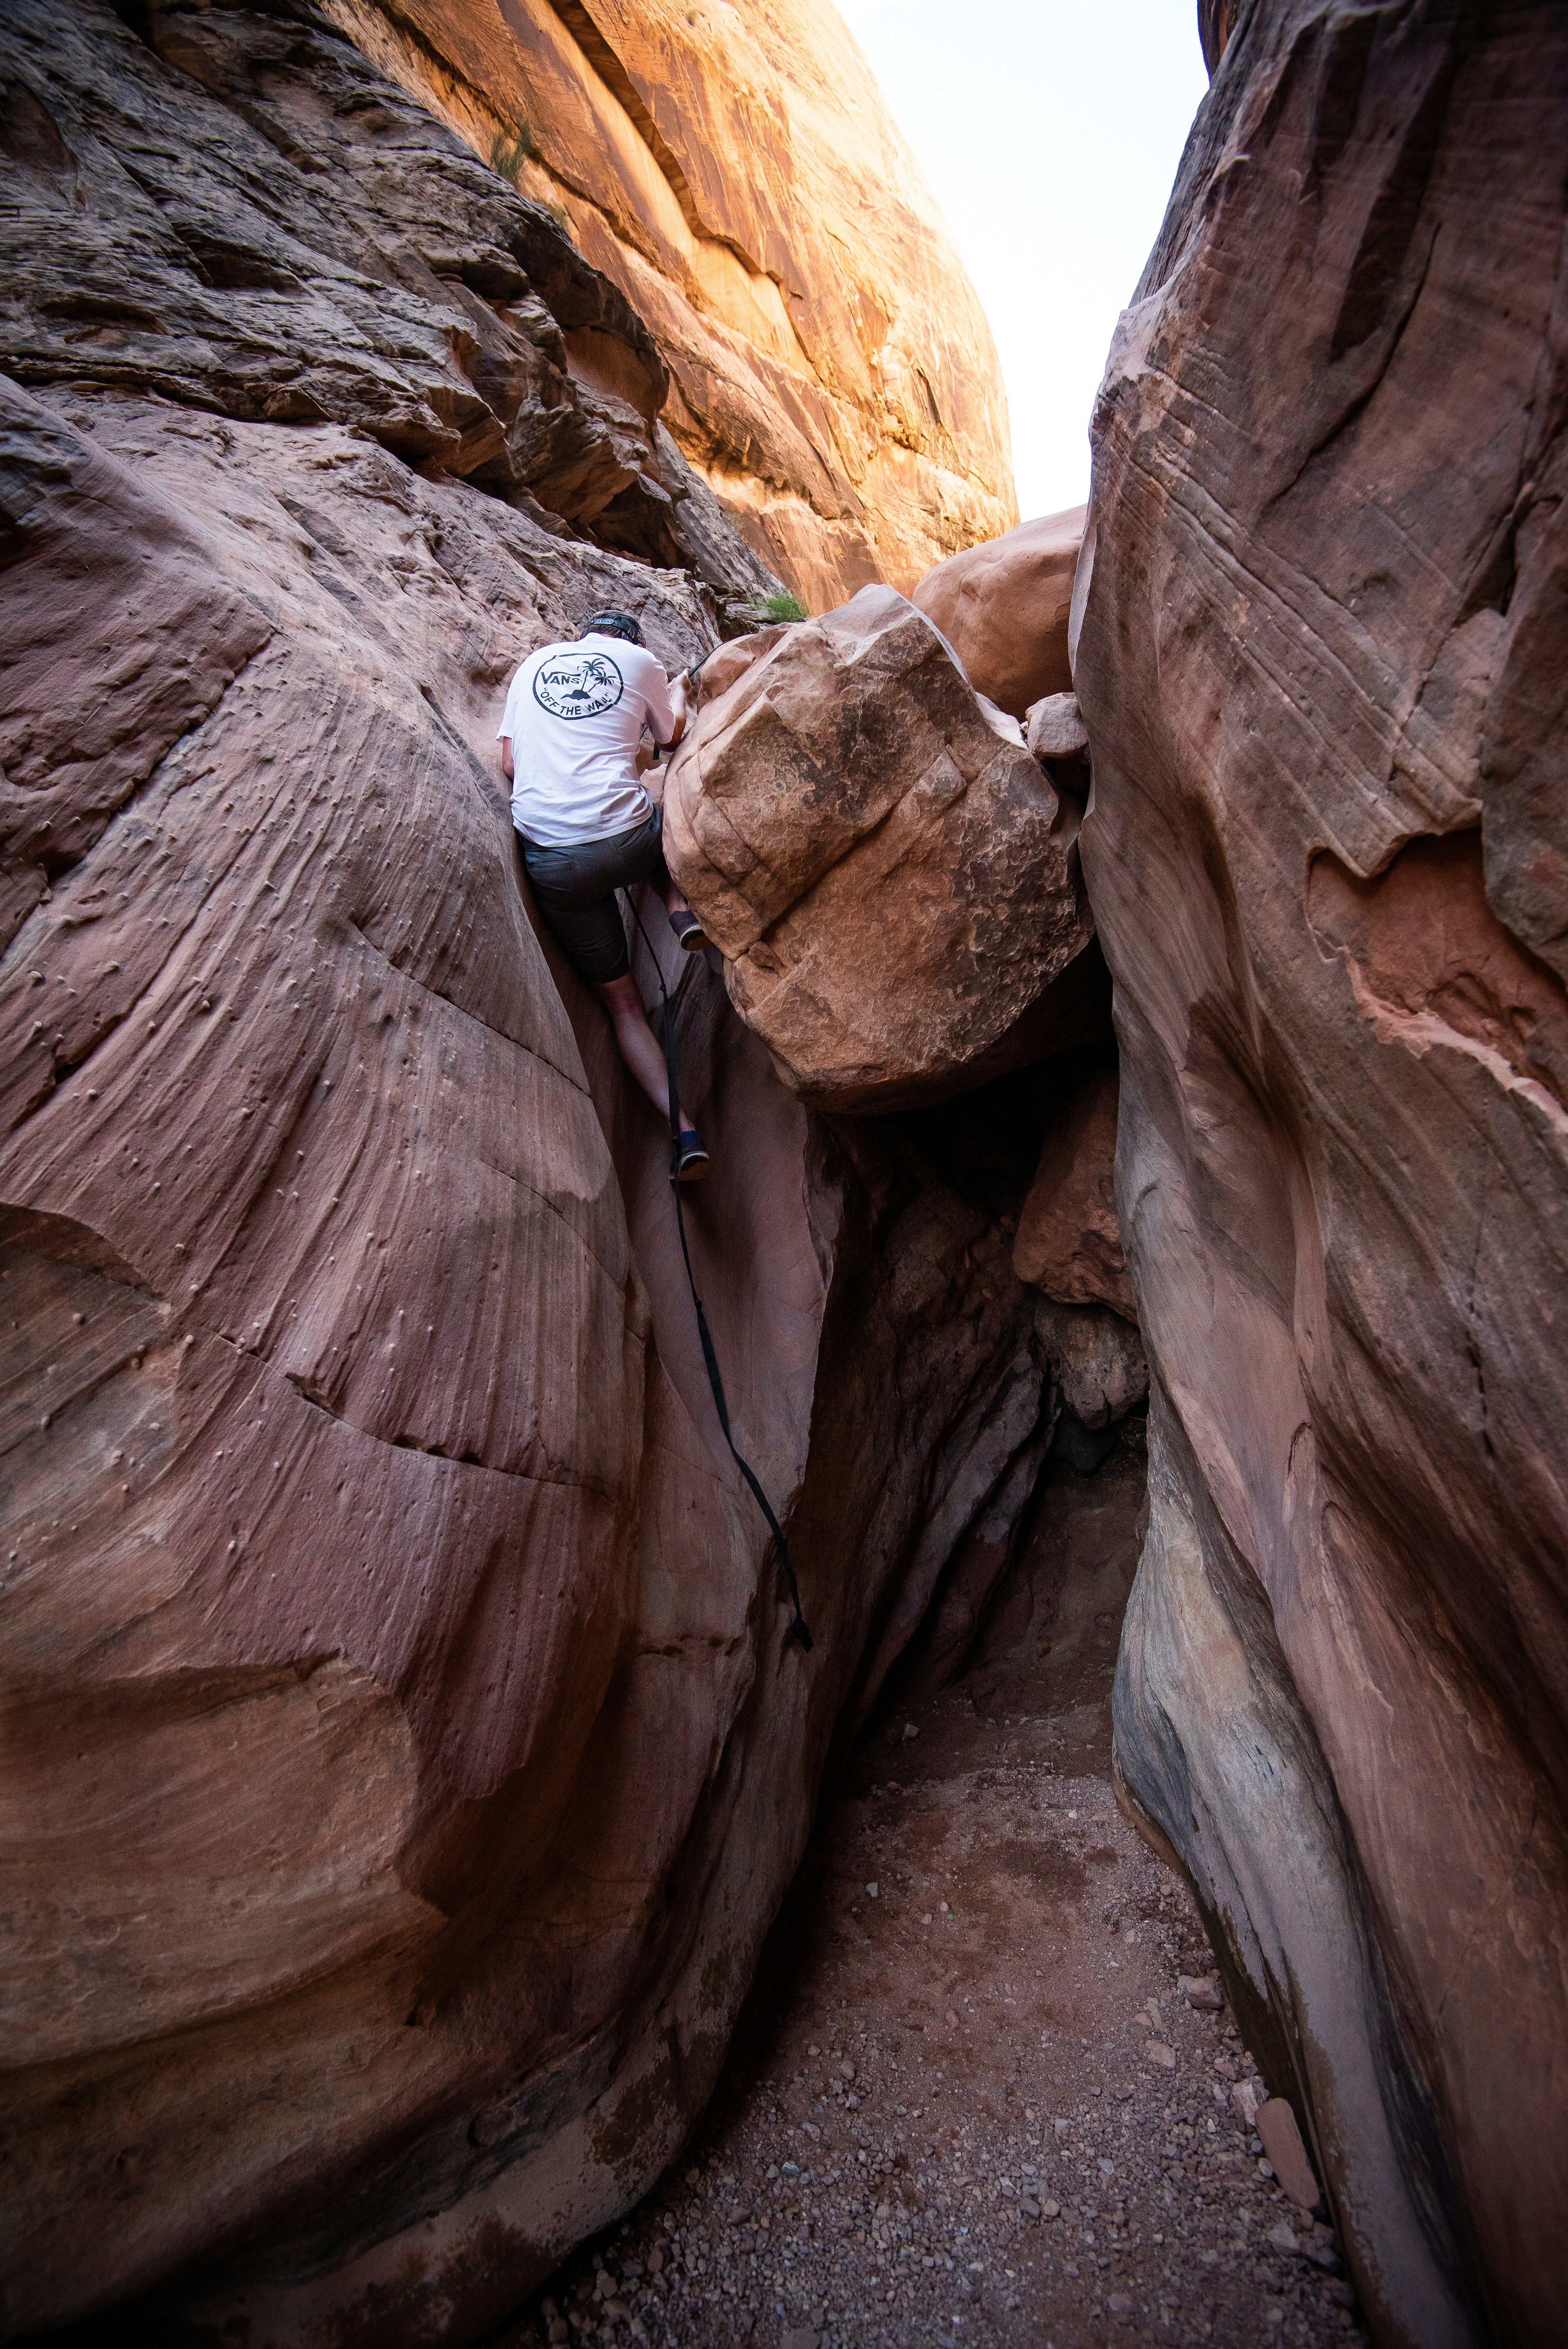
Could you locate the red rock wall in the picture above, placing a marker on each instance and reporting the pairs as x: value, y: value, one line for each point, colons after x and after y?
x: 1321, y: 659
x: 235, y: 213
x: 738, y: 174
x: 405, y: 1751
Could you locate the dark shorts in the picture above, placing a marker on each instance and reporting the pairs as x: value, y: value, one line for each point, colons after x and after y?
x: 576, y: 892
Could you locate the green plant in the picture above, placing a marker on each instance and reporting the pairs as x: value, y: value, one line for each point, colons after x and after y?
x: 510, y: 153
x: 784, y: 607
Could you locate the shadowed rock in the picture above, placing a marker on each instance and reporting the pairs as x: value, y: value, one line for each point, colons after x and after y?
x: 1070, y: 1243
x: 1323, y: 636
x: 1096, y: 1357
x: 237, y: 213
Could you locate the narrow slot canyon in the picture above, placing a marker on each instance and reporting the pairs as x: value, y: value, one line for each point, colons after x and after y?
x: 917, y: 1703
x: 980, y: 2094
x: 987, y: 2069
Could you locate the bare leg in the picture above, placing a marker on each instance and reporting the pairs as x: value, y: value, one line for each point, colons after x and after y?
x: 640, y: 1048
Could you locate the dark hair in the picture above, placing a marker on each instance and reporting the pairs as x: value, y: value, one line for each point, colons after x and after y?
x: 611, y: 624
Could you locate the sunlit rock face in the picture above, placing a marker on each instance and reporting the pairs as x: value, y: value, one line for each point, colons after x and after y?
x: 738, y: 174
x: 890, y: 877
x: 1322, y: 661
x: 406, y: 1747
x: 1004, y: 607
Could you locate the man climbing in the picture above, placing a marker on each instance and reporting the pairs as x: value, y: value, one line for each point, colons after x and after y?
x: 575, y: 716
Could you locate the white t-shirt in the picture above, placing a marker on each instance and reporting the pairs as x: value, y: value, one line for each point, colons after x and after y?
x: 575, y: 715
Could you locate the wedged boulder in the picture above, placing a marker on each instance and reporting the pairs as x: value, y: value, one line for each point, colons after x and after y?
x: 1054, y: 728
x: 1323, y: 643
x: 1004, y: 606
x: 891, y: 878
x: 1069, y: 1241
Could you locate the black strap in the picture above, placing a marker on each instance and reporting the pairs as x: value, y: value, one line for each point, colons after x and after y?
x: 798, y: 1628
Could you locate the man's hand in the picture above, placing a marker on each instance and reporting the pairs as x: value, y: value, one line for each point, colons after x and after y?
x: 679, y: 704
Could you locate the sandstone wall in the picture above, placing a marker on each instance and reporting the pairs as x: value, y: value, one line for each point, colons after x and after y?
x: 406, y: 1755
x: 738, y: 175
x: 1321, y: 662
x: 268, y: 228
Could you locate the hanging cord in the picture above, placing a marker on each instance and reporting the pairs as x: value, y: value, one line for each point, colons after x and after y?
x: 798, y: 1628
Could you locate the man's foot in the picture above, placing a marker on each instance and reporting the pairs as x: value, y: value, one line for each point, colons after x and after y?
x: 688, y: 929
x: 692, y: 1161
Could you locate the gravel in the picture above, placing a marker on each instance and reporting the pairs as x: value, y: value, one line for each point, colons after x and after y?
x: 987, y: 2110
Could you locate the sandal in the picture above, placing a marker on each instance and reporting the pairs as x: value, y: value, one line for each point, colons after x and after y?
x: 688, y: 929
x: 693, y: 1164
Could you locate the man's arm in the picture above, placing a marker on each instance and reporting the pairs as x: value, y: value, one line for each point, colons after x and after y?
x: 506, y: 767
x: 663, y: 701
x: 675, y: 692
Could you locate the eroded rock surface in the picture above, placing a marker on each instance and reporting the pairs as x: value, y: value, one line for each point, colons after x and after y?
x: 368, y: 1541
x: 1004, y: 607
x: 738, y: 174
x: 406, y: 1755
x: 1322, y: 649
x: 237, y: 213
x: 891, y: 878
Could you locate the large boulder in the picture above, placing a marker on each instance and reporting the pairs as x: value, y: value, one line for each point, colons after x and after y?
x: 1004, y: 606
x: 1322, y: 661
x: 406, y: 1750
x: 739, y: 176
x: 889, y: 876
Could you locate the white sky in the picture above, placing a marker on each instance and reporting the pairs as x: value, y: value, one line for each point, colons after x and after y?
x: 1050, y: 131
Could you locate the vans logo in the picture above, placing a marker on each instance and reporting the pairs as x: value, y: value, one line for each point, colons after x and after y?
x: 578, y: 685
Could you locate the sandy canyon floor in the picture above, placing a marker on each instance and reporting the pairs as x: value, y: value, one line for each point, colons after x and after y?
x: 970, y: 2108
